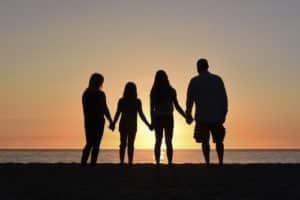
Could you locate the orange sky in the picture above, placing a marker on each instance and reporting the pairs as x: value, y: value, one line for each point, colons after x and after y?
x: 49, y: 51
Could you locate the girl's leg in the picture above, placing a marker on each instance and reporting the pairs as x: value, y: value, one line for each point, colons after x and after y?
x: 158, y: 139
x: 123, y: 144
x: 168, y: 137
x: 130, y: 150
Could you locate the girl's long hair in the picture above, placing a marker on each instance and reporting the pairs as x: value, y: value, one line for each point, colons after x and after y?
x: 130, y: 91
x: 161, y: 87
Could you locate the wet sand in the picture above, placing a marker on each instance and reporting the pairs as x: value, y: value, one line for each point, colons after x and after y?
x: 146, y: 181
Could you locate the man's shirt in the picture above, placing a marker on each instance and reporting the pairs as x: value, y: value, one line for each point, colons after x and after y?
x: 208, y: 92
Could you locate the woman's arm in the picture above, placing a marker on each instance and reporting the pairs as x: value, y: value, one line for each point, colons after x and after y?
x: 142, y: 115
x: 106, y: 110
x: 177, y: 106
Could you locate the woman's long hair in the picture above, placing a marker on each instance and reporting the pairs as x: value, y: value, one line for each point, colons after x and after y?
x: 130, y: 91
x: 161, y: 87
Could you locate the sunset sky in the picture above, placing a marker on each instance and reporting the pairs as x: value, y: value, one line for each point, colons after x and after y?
x: 49, y: 48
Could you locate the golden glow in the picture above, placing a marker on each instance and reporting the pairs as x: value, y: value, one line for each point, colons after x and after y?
x: 49, y: 51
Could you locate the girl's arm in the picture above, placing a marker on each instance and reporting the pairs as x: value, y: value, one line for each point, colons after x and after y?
x: 177, y: 106
x: 118, y: 113
x: 142, y: 115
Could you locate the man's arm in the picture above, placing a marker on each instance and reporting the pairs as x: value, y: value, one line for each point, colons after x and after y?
x: 189, y: 102
x: 224, y: 100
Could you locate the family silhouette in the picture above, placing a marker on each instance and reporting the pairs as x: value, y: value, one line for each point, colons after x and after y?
x: 206, y: 91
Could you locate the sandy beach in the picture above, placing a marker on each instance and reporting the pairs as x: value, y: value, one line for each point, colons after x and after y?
x: 146, y: 181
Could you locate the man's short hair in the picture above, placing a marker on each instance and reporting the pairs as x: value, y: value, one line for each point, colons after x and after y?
x: 202, y: 64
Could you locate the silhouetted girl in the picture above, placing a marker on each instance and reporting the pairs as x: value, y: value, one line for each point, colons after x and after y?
x: 94, y: 109
x: 162, y: 99
x: 128, y: 107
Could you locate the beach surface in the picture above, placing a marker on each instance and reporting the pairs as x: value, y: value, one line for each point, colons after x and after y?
x: 146, y: 181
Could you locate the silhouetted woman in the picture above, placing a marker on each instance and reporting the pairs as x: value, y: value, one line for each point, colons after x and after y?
x: 94, y: 109
x: 128, y: 107
x: 162, y: 99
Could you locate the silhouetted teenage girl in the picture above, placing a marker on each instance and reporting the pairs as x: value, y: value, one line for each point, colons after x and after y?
x: 162, y: 99
x: 128, y: 107
x: 94, y: 110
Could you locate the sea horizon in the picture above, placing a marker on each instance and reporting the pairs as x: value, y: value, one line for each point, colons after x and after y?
x: 231, y: 156
x: 112, y: 149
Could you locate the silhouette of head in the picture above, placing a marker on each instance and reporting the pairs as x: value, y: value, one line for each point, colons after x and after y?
x: 161, y: 80
x: 96, y: 81
x: 130, y: 91
x: 202, y: 65
x: 161, y: 87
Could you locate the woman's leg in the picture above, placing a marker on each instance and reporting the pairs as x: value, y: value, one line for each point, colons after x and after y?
x: 96, y: 142
x: 130, y: 150
x: 89, y: 143
x: 168, y: 139
x: 123, y: 144
x: 158, y: 139
x: 85, y: 154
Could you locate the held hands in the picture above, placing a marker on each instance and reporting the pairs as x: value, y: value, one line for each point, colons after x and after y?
x: 150, y: 126
x: 112, y: 126
x: 189, y: 119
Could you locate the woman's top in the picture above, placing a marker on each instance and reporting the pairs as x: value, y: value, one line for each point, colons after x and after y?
x: 94, y: 104
x: 162, y: 102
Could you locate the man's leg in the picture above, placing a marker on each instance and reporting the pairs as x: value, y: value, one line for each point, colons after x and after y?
x: 202, y: 135
x: 218, y: 133
x: 206, y: 150
x: 220, y: 151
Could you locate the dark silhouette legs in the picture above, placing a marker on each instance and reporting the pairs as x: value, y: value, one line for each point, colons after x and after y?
x: 93, y: 134
x: 127, y: 138
x: 130, y: 150
x: 158, y: 139
x: 206, y: 152
x: 168, y: 140
x: 85, y: 155
x: 220, y: 151
x: 94, y: 157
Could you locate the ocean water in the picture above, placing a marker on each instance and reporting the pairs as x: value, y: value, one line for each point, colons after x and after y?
x: 146, y: 156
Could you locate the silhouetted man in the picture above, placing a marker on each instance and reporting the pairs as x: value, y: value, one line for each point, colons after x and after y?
x: 208, y: 92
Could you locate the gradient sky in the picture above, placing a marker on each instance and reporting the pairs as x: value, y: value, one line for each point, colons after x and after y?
x: 49, y: 48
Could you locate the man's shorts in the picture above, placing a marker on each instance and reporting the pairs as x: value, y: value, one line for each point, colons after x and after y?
x: 203, y: 130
